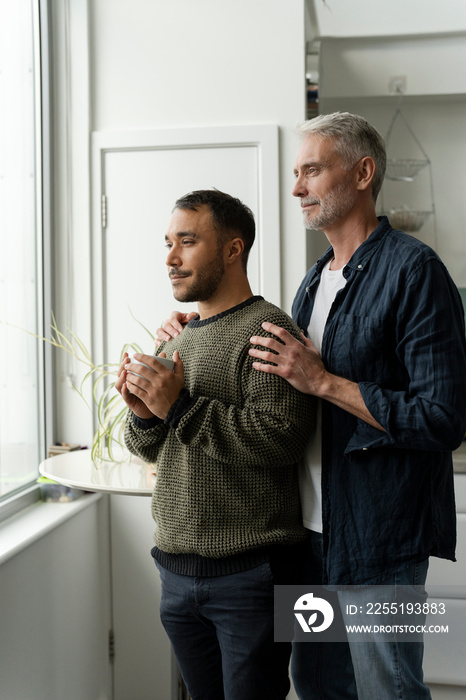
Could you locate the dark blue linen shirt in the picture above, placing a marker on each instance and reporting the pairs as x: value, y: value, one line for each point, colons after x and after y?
x: 397, y: 329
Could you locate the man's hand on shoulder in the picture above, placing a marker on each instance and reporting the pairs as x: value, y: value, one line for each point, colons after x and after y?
x: 301, y: 365
x: 295, y: 360
x: 173, y: 325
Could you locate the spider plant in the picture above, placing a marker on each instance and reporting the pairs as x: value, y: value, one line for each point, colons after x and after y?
x: 110, y: 409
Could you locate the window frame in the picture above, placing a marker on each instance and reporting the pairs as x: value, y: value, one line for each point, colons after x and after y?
x: 29, y: 493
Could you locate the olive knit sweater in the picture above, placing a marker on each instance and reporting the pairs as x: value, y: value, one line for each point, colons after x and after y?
x: 226, y: 489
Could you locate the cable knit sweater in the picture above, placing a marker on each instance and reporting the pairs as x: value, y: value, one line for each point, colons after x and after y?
x: 226, y: 488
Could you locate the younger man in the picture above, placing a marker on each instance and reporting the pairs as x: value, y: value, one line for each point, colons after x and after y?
x: 226, y: 440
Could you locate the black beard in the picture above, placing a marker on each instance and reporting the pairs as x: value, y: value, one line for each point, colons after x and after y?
x: 205, y: 286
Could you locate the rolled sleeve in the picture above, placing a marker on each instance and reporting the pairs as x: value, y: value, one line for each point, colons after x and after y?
x: 428, y: 411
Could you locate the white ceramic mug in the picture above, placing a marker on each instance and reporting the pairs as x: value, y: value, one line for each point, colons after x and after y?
x: 163, y: 360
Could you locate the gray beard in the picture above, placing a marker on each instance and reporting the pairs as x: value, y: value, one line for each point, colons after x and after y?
x: 332, y: 207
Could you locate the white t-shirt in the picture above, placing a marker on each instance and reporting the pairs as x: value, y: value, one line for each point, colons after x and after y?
x: 310, y: 471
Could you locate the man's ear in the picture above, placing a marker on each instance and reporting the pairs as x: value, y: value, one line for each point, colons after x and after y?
x: 234, y: 250
x: 365, y: 173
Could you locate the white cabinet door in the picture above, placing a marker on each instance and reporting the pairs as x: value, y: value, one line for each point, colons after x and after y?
x: 142, y: 666
x: 446, y: 583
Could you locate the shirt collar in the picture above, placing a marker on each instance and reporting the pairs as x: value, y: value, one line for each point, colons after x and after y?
x: 366, y: 250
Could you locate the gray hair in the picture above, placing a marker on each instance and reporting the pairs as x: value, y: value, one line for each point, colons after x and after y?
x: 353, y: 138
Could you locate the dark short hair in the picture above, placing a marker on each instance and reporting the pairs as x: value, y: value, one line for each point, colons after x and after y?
x: 230, y: 216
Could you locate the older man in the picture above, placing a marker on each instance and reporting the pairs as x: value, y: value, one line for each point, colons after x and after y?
x: 385, y: 354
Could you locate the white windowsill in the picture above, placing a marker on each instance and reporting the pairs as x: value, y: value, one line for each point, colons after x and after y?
x: 35, y: 521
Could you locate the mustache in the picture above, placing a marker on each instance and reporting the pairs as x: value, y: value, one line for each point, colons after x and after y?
x: 309, y: 200
x: 175, y: 272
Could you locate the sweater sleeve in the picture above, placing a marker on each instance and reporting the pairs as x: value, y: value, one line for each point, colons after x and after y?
x: 273, y: 425
x: 144, y: 438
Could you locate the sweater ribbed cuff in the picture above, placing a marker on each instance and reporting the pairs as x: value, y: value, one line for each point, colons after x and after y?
x: 146, y: 423
x: 181, y: 406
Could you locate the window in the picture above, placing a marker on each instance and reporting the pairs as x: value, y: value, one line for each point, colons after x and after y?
x: 22, y: 261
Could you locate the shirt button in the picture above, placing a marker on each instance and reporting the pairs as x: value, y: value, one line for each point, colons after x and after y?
x: 364, y: 449
x: 359, y: 267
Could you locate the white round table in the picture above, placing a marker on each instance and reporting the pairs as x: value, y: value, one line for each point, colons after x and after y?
x: 76, y: 469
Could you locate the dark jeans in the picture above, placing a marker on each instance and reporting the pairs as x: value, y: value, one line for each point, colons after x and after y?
x: 391, y: 668
x: 221, y: 630
x: 321, y: 671
x: 380, y: 670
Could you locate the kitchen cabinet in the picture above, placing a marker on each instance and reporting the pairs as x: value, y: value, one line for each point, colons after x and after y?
x: 444, y: 667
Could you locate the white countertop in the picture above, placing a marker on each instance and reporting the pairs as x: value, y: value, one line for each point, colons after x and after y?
x: 76, y: 469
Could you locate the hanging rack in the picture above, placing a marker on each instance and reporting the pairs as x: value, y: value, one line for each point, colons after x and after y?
x: 405, y: 170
